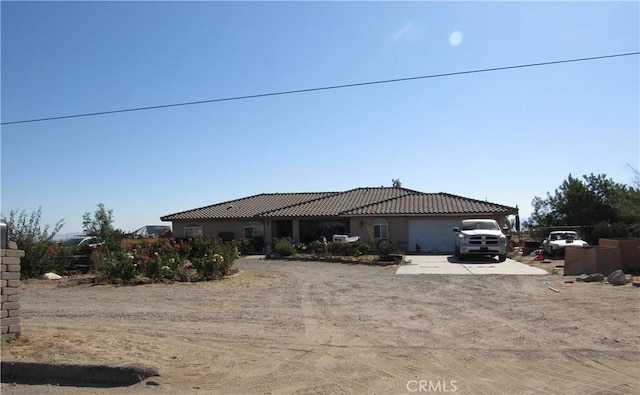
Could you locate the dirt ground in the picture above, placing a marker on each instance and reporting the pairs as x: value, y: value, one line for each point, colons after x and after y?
x: 290, y: 327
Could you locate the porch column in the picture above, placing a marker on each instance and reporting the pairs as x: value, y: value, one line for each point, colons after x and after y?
x: 268, y: 230
x: 295, y: 232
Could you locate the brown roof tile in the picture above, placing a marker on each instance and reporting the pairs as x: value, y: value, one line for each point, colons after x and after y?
x: 248, y: 207
x: 355, y: 202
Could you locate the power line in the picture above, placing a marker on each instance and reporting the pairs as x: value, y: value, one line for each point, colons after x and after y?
x: 91, y: 114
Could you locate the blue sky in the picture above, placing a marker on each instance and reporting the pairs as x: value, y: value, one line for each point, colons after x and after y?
x: 504, y: 136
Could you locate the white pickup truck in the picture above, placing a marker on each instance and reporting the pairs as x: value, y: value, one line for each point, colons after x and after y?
x: 480, y: 237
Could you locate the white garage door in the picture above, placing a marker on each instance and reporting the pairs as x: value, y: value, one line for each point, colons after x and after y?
x: 432, y: 235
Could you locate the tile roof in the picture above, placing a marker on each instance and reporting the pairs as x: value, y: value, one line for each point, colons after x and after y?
x: 354, y: 202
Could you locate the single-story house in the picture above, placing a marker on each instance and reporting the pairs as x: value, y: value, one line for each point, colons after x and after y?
x: 415, y: 221
x: 151, y: 231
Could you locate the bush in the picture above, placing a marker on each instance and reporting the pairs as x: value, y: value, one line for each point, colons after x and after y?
x: 284, y: 247
x: 386, y: 249
x: 604, y: 230
x: 317, y: 247
x: 165, y: 260
x: 244, y: 246
x: 35, y: 240
x: 114, y: 265
x: 339, y: 248
x: 210, y: 266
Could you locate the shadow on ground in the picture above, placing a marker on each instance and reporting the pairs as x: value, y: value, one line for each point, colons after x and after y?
x: 75, y: 375
x: 476, y: 260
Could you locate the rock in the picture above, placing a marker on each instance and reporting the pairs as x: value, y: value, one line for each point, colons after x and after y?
x: 617, y: 278
x: 596, y: 277
x: 590, y: 278
x: 51, y: 276
x: 628, y: 278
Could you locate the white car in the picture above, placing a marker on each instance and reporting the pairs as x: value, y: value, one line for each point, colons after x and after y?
x: 480, y: 237
x: 78, y: 241
x: 558, y: 240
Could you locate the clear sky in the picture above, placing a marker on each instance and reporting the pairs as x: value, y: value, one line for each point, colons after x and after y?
x: 504, y: 136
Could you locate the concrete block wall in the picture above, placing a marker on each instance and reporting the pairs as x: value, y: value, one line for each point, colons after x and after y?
x: 10, y: 291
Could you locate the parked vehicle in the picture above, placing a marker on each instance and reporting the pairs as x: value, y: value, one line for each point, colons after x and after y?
x: 345, y: 239
x: 89, y: 241
x: 480, y: 237
x: 77, y: 253
x: 558, y: 240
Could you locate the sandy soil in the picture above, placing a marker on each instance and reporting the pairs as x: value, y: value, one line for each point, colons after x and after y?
x: 287, y: 327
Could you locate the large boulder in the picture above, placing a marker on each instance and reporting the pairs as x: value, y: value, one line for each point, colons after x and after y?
x: 617, y: 278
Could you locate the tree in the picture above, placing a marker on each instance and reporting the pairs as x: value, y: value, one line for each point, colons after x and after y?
x: 100, y: 225
x: 34, y: 239
x: 636, y: 176
x: 597, y: 204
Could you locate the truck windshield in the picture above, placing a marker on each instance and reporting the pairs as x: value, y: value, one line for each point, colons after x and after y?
x: 472, y: 225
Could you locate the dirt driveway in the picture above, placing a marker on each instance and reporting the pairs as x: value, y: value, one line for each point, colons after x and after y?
x: 286, y: 327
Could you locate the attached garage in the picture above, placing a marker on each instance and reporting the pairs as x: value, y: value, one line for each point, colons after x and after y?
x: 432, y: 235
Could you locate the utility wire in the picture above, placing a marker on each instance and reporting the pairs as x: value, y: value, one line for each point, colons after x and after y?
x: 91, y: 114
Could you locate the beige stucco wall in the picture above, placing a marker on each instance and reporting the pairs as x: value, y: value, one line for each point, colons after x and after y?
x: 213, y: 228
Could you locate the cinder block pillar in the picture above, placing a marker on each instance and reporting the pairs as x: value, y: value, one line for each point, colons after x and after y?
x: 10, y: 291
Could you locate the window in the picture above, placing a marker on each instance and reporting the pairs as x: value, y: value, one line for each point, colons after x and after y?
x: 380, y: 229
x: 192, y: 230
x: 253, y: 230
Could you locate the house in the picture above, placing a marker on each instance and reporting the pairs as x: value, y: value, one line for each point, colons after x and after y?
x: 415, y: 221
x: 151, y: 231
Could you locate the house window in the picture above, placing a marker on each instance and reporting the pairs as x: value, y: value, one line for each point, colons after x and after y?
x: 192, y: 230
x: 380, y: 229
x: 253, y: 230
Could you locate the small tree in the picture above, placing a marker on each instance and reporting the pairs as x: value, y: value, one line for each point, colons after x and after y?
x: 597, y: 204
x: 100, y: 225
x: 34, y: 239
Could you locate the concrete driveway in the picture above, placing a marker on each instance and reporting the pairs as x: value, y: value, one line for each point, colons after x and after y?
x: 448, y: 264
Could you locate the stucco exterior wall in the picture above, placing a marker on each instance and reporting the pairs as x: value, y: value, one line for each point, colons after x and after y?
x: 213, y: 228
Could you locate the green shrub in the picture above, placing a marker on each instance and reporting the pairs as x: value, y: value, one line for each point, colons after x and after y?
x: 360, y: 247
x: 35, y: 240
x: 244, y: 246
x: 210, y: 266
x: 152, y: 267
x: 317, y: 247
x: 166, y: 260
x: 284, y: 247
x: 386, y: 249
x: 338, y: 248
x: 114, y: 265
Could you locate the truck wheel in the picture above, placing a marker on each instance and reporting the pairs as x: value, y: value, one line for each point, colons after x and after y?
x: 502, y: 257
